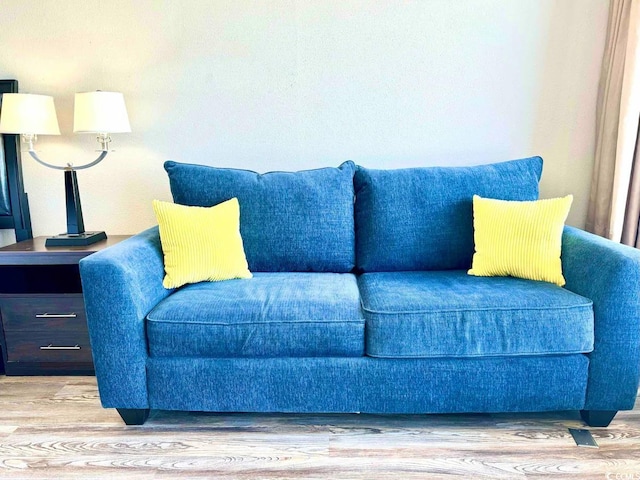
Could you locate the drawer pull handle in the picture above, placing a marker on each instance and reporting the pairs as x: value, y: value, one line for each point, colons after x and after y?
x: 55, y: 347
x: 56, y: 315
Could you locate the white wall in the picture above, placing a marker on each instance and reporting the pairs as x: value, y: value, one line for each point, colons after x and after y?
x: 299, y: 84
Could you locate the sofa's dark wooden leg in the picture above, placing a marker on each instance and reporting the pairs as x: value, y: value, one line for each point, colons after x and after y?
x: 598, y: 418
x: 133, y: 416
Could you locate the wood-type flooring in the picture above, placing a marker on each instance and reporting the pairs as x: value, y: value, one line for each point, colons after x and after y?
x: 55, y: 428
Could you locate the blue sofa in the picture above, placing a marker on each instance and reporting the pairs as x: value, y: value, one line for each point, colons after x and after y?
x: 361, y: 302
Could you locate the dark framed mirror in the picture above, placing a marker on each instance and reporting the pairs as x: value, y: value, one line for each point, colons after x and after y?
x: 14, y: 205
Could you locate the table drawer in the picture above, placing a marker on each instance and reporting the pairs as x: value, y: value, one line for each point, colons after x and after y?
x: 43, y: 312
x: 45, y: 328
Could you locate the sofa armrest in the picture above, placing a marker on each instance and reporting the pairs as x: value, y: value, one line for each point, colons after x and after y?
x: 121, y: 284
x: 608, y: 273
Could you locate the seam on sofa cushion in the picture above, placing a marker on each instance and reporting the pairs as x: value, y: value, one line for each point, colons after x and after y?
x: 488, y: 309
x: 481, y: 355
x: 331, y: 322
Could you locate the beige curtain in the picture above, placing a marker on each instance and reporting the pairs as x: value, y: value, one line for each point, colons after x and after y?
x: 632, y: 214
x: 612, y: 196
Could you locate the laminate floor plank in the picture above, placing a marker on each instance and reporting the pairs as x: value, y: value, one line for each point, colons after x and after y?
x: 6, y: 430
x: 55, y: 428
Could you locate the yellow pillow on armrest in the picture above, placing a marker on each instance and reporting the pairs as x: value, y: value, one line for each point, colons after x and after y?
x: 201, y: 243
x: 519, y: 239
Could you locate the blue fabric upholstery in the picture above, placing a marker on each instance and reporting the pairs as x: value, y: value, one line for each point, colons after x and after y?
x: 293, y: 341
x: 609, y: 274
x: 452, y: 314
x: 422, y: 218
x: 121, y: 284
x: 270, y: 315
x: 369, y: 385
x: 289, y: 221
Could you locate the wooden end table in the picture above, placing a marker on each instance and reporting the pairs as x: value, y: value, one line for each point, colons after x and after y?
x: 42, y: 317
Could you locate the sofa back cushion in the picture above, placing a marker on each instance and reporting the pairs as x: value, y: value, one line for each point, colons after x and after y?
x: 289, y: 221
x: 422, y: 218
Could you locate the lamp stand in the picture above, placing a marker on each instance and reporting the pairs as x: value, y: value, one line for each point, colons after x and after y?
x: 76, y: 235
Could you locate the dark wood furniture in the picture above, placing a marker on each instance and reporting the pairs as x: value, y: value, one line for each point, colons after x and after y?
x: 14, y: 204
x: 44, y: 329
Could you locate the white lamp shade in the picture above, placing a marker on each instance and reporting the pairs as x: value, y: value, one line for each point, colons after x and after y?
x: 28, y: 113
x: 100, y: 112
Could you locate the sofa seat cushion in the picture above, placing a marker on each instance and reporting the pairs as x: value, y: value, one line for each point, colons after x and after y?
x: 271, y: 315
x: 452, y: 314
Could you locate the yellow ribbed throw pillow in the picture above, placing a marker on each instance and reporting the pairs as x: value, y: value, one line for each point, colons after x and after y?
x: 519, y: 239
x: 201, y: 243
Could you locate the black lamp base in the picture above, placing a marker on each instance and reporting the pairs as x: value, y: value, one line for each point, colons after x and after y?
x: 75, y: 239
